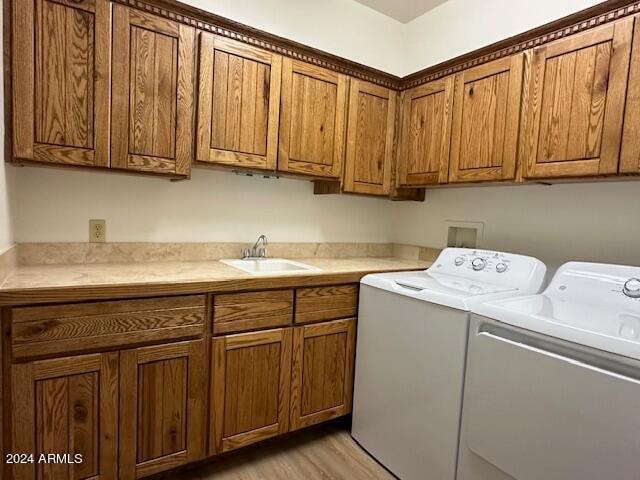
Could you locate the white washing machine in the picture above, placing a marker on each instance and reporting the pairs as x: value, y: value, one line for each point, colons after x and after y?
x: 552, y: 388
x: 410, y: 355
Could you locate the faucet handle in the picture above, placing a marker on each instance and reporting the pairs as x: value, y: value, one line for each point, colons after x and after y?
x: 245, y: 252
x: 262, y: 253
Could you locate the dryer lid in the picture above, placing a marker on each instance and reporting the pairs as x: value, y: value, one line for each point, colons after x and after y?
x: 596, y: 305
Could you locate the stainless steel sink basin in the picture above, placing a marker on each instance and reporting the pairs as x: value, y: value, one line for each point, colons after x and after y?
x: 270, y: 266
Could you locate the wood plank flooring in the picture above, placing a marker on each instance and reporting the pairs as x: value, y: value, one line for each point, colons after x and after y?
x: 326, y: 453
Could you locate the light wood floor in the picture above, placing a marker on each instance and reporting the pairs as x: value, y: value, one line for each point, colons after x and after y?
x: 328, y: 453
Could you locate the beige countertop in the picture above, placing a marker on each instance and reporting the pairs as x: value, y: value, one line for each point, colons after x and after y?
x: 54, y: 283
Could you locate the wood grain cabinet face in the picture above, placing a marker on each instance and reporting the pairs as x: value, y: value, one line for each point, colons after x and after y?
x: 575, y: 104
x: 630, y: 155
x: 60, y: 81
x: 486, y: 120
x: 251, y: 374
x: 66, y: 405
x: 312, y: 123
x: 322, y: 372
x: 163, y: 394
x: 238, y: 104
x: 152, y: 93
x: 426, y: 134
x: 238, y: 312
x: 370, y: 129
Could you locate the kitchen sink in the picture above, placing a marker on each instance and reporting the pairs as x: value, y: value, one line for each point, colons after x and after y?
x: 270, y: 266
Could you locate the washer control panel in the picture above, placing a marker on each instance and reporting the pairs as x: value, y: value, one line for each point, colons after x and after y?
x: 499, y: 268
x: 483, y: 260
x: 598, y: 283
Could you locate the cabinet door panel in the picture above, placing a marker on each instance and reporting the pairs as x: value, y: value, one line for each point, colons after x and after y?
x: 67, y: 405
x: 630, y: 154
x: 576, y: 101
x: 250, y: 388
x: 426, y: 134
x: 239, y: 104
x: 322, y: 372
x: 153, y: 73
x: 162, y: 405
x: 370, y: 130
x: 486, y: 121
x: 61, y: 81
x: 312, y: 127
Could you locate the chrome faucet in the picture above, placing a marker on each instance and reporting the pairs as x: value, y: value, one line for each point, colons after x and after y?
x: 256, y: 252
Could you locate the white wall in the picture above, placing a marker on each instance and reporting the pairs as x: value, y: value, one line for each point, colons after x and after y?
x: 591, y: 221
x: 588, y: 221
x: 461, y: 26
x: 341, y: 27
x: 55, y: 205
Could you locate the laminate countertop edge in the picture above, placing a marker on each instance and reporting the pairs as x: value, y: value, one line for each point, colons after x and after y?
x: 30, y: 285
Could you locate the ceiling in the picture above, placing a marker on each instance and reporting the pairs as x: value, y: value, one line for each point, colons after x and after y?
x: 402, y: 10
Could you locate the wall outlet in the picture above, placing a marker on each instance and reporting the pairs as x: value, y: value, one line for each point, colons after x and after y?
x: 97, y: 231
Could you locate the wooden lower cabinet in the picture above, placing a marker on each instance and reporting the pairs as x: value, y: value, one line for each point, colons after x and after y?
x: 163, y: 395
x: 136, y: 412
x: 322, y: 372
x: 251, y: 374
x: 66, y: 406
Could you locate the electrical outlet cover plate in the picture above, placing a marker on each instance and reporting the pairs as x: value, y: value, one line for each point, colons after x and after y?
x: 97, y: 231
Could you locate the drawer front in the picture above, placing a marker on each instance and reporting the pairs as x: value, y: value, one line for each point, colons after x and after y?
x: 326, y: 303
x: 47, y: 330
x: 251, y: 311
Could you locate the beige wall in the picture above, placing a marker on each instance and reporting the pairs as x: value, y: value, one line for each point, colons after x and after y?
x: 341, y: 27
x: 588, y: 221
x: 596, y: 222
x: 460, y: 26
x: 55, y: 205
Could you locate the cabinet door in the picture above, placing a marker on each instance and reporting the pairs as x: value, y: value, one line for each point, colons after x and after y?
x: 630, y: 155
x: 60, y: 81
x: 322, y: 372
x: 486, y: 120
x: 239, y: 104
x: 312, y: 124
x: 575, y: 104
x: 163, y: 393
x: 251, y: 374
x: 426, y: 134
x: 66, y: 406
x: 370, y: 129
x: 153, y: 93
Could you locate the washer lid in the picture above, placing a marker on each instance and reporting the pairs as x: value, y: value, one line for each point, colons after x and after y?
x: 596, y: 305
x: 447, y: 290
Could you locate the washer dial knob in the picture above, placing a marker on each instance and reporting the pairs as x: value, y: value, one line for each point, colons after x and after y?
x: 478, y: 263
x: 458, y: 261
x: 501, y: 267
x: 632, y: 288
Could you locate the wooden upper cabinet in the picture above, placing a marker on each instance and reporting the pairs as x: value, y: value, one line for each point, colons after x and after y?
x: 630, y: 155
x: 66, y: 406
x: 426, y: 134
x: 238, y: 104
x: 312, y: 123
x: 486, y: 120
x: 163, y: 394
x: 251, y: 374
x: 370, y: 129
x: 60, y: 81
x: 575, y: 104
x: 152, y: 93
